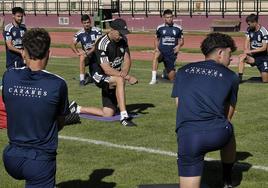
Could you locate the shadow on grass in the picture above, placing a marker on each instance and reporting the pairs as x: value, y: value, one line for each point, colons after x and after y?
x: 94, y: 181
x: 253, y: 80
x: 212, y: 175
x: 139, y: 108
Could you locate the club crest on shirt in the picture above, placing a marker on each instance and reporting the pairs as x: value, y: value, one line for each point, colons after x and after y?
x: 251, y: 35
x: 14, y: 33
x: 93, y: 37
x: 164, y: 31
x: 22, y: 33
x: 85, y: 39
x: 259, y: 37
x: 174, y: 32
x: 122, y: 50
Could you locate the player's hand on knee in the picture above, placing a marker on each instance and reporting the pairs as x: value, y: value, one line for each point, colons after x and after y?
x: 243, y: 58
x: 123, y: 73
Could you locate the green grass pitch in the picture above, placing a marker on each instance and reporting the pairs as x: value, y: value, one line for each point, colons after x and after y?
x: 82, y: 164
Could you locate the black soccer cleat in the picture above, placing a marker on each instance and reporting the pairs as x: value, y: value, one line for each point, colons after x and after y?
x: 72, y: 118
x: 227, y: 186
x: 127, y: 122
x: 88, y: 79
x: 73, y: 107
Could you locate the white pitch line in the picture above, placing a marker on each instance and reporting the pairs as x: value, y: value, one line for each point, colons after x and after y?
x: 142, y: 149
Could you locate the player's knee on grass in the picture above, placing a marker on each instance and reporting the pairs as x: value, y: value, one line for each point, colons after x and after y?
x: 264, y: 76
x: 171, y: 75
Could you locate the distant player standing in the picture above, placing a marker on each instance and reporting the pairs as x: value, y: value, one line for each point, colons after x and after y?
x: 168, y: 41
x: 87, y: 37
x: 110, y: 70
x: 36, y: 102
x: 13, y: 33
x: 255, y: 51
x: 206, y: 96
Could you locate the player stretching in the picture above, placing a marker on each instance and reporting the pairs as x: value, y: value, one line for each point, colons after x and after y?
x: 110, y: 70
x: 87, y: 37
x: 168, y: 41
x: 13, y: 33
x: 255, y: 52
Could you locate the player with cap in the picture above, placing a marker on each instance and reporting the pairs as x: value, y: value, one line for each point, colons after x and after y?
x: 13, y: 33
x: 87, y: 37
x: 36, y: 102
x: 110, y: 71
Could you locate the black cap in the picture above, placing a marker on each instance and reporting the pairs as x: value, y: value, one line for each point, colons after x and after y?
x: 120, y: 25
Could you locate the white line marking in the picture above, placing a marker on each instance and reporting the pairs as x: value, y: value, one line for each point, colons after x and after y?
x: 142, y: 149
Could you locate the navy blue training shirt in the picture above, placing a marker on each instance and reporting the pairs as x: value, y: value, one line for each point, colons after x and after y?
x: 87, y: 38
x: 168, y: 36
x: 203, y: 89
x: 33, y: 101
x: 15, y: 34
x: 257, y: 38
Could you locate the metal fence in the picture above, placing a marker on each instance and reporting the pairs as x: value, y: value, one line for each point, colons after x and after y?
x: 133, y: 7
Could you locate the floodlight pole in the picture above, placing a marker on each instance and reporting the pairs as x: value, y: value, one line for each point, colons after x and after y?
x: 46, y: 7
x: 35, y: 7
x: 222, y: 8
x: 239, y: 8
x: 191, y: 8
x: 146, y: 8
x: 257, y: 1
x: 3, y: 7
x: 175, y: 8
x: 57, y: 6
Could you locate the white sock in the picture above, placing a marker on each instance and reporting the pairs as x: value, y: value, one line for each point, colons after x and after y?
x: 78, y: 110
x: 82, y: 77
x: 153, y: 75
x: 123, y: 115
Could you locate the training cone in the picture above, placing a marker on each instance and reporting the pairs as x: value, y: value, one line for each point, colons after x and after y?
x: 3, y: 115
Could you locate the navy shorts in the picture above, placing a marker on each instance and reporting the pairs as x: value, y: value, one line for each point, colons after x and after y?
x: 36, y: 169
x: 16, y: 63
x: 169, y: 60
x: 108, y: 95
x: 262, y: 63
x: 193, y: 147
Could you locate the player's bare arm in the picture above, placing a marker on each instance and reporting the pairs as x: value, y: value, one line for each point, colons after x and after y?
x: 126, y: 65
x: 90, y: 51
x: 261, y: 49
x: 12, y: 48
x: 108, y: 70
x: 156, y: 44
x: 75, y: 50
x: 178, y: 47
x: 229, y: 111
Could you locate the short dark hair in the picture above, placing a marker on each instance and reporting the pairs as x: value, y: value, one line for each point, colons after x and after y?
x: 217, y: 40
x: 37, y: 42
x: 167, y: 11
x: 85, y: 17
x: 252, y: 18
x: 17, y: 10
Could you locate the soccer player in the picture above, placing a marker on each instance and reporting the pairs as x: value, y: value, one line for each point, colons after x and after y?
x: 87, y: 37
x: 110, y: 70
x: 206, y: 95
x: 167, y: 44
x: 255, y: 52
x: 13, y: 33
x: 36, y: 102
